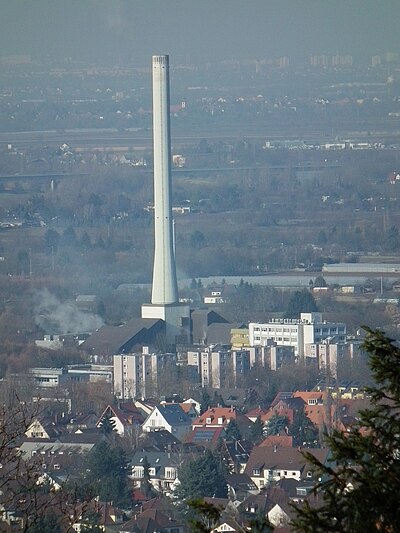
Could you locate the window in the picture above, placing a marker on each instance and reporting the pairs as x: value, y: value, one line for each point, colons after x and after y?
x: 170, y: 473
x: 256, y: 472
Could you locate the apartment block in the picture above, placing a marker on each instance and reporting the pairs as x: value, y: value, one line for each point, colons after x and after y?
x: 138, y: 374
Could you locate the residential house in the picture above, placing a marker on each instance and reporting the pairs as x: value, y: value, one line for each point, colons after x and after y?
x: 284, y: 407
x: 310, y: 397
x: 152, y: 521
x: 215, y: 294
x: 109, y: 517
x: 207, y: 436
x: 228, y: 525
x: 72, y: 444
x: 160, y: 440
x: 80, y: 423
x: 217, y: 417
x: 145, y: 406
x: 273, y: 503
x: 163, y: 471
x: 253, y: 414
x: 170, y: 417
x: 220, y: 417
x: 163, y: 466
x: 297, y: 490
x: 236, y: 454
x: 266, y: 464
x: 240, y: 486
x: 285, y: 441
x: 197, y: 405
x: 43, y: 428
x: 126, y: 417
x: 188, y: 408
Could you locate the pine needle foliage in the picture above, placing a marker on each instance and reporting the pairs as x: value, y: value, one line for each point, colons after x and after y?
x: 359, y: 489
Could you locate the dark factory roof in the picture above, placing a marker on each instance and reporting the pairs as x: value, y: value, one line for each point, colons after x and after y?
x: 221, y: 332
x: 112, y: 340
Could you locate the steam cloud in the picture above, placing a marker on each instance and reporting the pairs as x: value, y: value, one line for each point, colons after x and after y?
x: 55, y: 316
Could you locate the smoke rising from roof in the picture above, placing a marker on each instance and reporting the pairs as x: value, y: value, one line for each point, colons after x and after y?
x: 57, y: 317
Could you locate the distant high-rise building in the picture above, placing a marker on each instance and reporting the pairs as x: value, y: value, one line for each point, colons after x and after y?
x: 319, y: 61
x: 139, y: 374
x: 375, y: 61
x: 283, y: 62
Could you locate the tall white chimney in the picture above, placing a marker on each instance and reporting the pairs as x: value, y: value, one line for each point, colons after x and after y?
x: 165, y: 287
x: 164, y: 298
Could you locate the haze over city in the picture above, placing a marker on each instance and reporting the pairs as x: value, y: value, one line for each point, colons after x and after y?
x: 199, y: 266
x: 133, y: 30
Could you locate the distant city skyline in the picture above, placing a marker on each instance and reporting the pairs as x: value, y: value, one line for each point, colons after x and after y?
x: 133, y: 30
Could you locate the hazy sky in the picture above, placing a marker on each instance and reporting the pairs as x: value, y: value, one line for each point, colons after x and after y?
x: 197, y: 29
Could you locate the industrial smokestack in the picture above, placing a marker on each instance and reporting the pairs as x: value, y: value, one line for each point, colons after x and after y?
x: 165, y: 286
x: 164, y: 298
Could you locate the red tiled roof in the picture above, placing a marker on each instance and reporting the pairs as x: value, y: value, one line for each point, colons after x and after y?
x: 215, y: 413
x: 310, y: 395
x: 285, y: 441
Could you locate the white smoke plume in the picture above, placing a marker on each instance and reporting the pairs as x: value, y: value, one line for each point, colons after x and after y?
x: 57, y: 317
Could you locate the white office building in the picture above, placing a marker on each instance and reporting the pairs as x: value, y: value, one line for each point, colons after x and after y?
x: 309, y: 329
